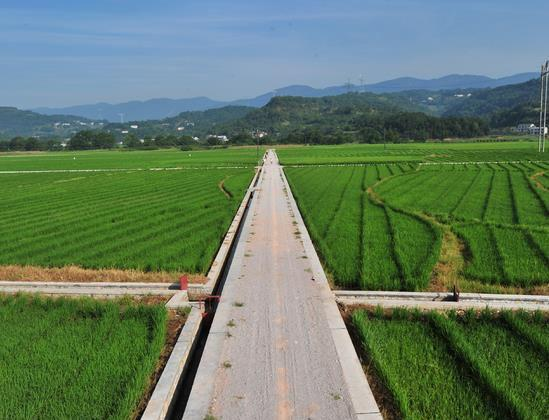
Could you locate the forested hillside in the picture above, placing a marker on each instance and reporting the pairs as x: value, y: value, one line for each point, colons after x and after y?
x: 16, y: 122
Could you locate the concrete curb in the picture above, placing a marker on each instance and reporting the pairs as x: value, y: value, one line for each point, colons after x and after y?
x: 362, y: 398
x: 441, y: 296
x: 427, y: 300
x: 89, y: 289
x: 200, y: 398
x: 195, y: 292
x: 160, y: 403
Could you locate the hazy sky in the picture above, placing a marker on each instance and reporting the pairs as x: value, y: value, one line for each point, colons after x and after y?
x: 57, y: 53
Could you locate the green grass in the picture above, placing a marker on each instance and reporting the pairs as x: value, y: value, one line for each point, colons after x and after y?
x: 146, y: 220
x: 362, y: 243
x: 471, y: 366
x: 124, y: 159
x: 496, y: 210
x: 412, y: 152
x: 509, y: 367
x: 69, y: 358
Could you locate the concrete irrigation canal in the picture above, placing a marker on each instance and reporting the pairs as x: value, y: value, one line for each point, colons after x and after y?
x: 277, y: 347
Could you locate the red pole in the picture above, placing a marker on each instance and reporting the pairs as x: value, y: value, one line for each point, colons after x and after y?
x: 184, y: 282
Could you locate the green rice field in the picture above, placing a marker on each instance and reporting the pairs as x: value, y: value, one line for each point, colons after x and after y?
x: 498, y: 211
x: 472, y: 366
x: 76, y: 358
x: 409, y: 152
x: 364, y: 244
x: 148, y: 220
x: 384, y: 226
x: 124, y: 159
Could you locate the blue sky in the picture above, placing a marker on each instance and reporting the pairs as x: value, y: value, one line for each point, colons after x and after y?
x: 57, y: 53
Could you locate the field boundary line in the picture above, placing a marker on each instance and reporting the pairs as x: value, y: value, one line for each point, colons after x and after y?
x: 362, y: 398
x: 89, y: 289
x: 162, y: 398
x: 61, y: 171
x: 214, y: 273
x: 496, y: 162
x: 442, y: 300
x: 400, y: 162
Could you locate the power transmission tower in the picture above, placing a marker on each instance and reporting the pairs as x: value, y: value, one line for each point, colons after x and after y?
x: 348, y: 85
x: 543, y: 106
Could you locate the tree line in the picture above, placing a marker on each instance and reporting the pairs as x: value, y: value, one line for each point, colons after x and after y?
x: 95, y: 140
x: 395, y: 128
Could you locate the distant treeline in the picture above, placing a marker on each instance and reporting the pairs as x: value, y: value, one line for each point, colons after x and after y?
x: 95, y: 140
x: 395, y: 128
x: 22, y: 144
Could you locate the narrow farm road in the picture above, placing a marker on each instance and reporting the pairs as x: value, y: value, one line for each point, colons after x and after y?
x: 271, y: 352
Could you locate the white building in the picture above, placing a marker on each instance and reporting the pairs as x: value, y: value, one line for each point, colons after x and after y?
x: 135, y: 127
x: 536, y: 130
x: 528, y: 129
x: 524, y: 128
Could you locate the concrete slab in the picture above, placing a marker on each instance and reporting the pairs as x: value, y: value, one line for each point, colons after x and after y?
x: 427, y: 300
x: 362, y: 398
x: 179, y: 300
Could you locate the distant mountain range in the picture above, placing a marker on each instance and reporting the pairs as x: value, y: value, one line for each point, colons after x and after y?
x: 155, y: 109
x: 500, y: 107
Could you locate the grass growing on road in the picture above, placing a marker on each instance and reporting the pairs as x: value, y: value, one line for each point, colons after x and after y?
x: 469, y: 366
x: 68, y: 358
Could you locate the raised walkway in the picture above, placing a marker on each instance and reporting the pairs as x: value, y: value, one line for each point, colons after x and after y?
x: 278, y: 347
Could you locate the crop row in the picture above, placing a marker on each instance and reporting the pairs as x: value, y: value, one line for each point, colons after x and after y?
x: 76, y: 358
x: 364, y: 244
x: 496, y: 193
x: 470, y: 366
x: 510, y: 256
x: 119, y: 159
x: 507, y: 240
x: 412, y: 152
x: 152, y: 221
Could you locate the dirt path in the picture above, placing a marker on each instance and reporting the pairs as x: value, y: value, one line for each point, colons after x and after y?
x: 270, y: 353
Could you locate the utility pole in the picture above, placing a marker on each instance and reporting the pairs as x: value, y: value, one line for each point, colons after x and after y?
x: 543, y: 106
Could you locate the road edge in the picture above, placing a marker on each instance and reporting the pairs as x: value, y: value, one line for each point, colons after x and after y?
x: 199, y: 290
x: 362, y: 398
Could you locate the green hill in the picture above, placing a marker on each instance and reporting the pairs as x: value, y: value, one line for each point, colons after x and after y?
x: 16, y: 122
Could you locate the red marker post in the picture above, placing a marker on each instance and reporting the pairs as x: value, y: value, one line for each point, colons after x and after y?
x: 184, y: 282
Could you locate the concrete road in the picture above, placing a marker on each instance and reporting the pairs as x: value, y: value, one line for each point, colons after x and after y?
x: 270, y: 353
